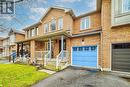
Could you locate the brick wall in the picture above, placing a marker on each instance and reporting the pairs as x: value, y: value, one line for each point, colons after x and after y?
x: 119, y: 34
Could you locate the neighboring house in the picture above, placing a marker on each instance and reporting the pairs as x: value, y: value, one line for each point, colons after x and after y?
x: 116, y: 35
x: 5, y: 46
x: 99, y: 39
x: 9, y: 44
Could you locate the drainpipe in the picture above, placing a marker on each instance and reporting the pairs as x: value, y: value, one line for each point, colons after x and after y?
x: 101, y: 51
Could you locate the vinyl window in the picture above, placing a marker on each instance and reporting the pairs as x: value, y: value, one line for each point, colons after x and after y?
x: 36, y: 30
x: 125, y: 6
x: 46, y: 28
x: 85, y: 23
x: 60, y: 23
x: 53, y: 25
x: 33, y: 32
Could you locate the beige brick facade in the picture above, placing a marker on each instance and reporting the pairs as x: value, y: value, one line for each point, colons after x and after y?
x: 100, y: 33
x: 110, y: 35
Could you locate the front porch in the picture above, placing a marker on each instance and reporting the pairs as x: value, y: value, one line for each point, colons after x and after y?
x: 51, y: 49
x: 52, y: 53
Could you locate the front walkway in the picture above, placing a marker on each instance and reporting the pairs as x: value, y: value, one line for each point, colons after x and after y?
x: 72, y: 77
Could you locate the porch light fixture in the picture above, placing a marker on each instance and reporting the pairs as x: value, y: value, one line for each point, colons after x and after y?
x: 82, y: 41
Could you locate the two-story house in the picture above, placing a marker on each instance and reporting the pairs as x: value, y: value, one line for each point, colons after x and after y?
x: 99, y: 39
x: 9, y: 44
x: 116, y: 35
x: 60, y: 35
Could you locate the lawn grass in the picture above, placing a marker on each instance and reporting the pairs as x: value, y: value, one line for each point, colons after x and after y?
x: 14, y: 75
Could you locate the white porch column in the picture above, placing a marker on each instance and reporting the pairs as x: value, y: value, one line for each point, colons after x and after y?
x: 62, y: 45
x: 50, y: 46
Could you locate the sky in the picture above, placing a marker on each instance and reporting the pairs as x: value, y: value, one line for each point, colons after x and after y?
x: 29, y: 12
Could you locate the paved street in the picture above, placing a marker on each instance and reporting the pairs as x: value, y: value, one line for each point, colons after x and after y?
x: 73, y: 77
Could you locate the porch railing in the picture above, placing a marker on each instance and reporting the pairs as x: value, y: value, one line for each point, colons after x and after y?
x: 63, y: 56
x: 39, y: 55
x: 47, y: 57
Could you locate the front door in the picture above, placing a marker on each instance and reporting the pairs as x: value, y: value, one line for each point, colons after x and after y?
x: 64, y: 45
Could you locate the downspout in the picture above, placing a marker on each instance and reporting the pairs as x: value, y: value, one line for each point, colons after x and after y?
x: 101, y: 51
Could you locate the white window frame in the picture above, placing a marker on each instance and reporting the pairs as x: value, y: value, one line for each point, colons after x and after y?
x: 124, y: 10
x: 46, y: 26
x: 60, y: 23
x: 33, y: 32
x: 51, y: 24
x: 85, y: 21
x: 37, y: 30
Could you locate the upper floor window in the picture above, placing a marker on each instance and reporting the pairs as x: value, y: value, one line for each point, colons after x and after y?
x: 33, y: 32
x: 46, y: 28
x: 36, y: 30
x: 28, y: 34
x: 60, y: 23
x: 85, y: 23
x: 125, y: 6
x: 53, y: 25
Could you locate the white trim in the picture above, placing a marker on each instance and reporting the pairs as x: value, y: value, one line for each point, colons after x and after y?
x: 71, y: 55
x: 97, y: 56
x: 53, y: 20
x: 85, y: 27
x: 85, y: 66
x: 60, y: 21
x: 37, y: 29
x: 46, y: 26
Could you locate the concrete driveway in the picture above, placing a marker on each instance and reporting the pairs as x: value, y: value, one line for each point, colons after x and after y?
x: 77, y: 77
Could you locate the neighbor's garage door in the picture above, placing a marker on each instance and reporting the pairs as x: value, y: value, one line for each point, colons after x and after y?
x: 84, y: 56
x: 121, y: 57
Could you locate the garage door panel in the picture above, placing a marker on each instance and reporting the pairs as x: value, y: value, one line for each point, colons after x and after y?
x: 124, y: 70
x: 122, y: 60
x: 122, y: 53
x: 85, y: 56
x: 121, y: 50
x: 85, y: 60
x: 121, y: 67
x: 82, y: 63
x: 121, y: 57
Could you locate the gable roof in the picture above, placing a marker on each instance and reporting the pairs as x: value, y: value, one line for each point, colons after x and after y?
x: 66, y: 10
x: 15, y: 31
x: 5, y: 38
x: 32, y: 25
